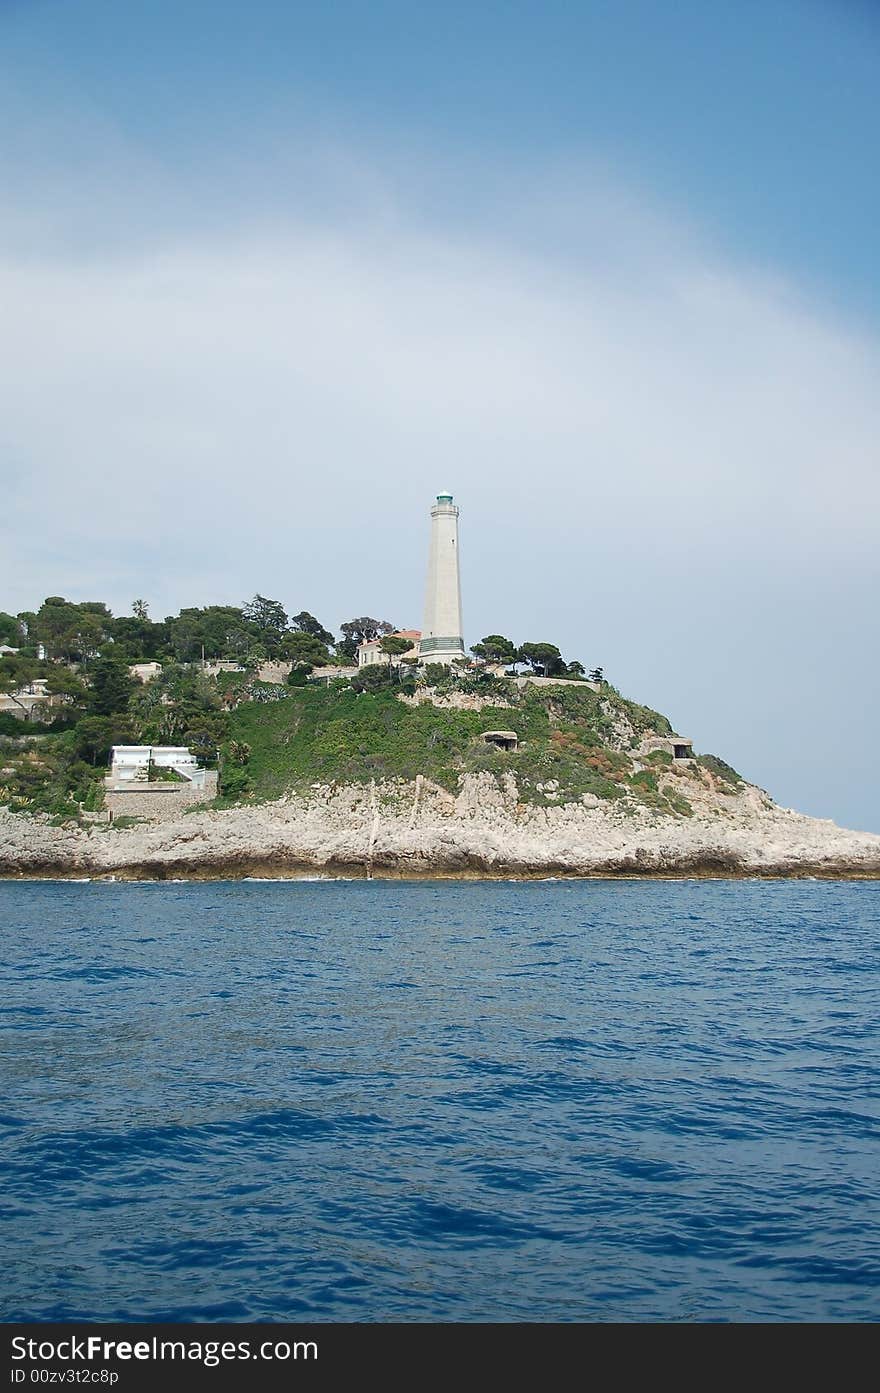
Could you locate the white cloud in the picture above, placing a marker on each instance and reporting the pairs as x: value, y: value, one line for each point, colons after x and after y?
x: 201, y: 413
x: 297, y: 361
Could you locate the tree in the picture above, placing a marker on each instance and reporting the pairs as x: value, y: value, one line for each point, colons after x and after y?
x: 60, y: 681
x: 112, y: 687
x: 303, y: 648
x: 140, y: 609
x: 495, y: 648
x: 256, y: 656
x: 362, y: 630
x: 221, y: 630
x: 17, y: 670
x: 371, y: 677
x: 71, y: 632
x: 27, y: 619
x: 10, y: 630
x: 182, y: 706
x: 268, y: 619
x: 435, y: 673
x: 543, y: 658
x: 138, y: 640
x: 597, y: 675
x: 394, y: 647
x: 575, y: 668
x: 204, y: 734
x: 306, y: 623
x: 94, y: 736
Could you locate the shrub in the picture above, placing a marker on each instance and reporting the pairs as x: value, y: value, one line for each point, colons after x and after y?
x: 11, y: 725
x: 719, y: 768
x: 659, y: 757
x: 645, y: 781
x: 234, y: 781
x: 372, y: 678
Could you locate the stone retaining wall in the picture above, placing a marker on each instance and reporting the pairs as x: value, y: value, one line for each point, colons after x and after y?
x: 160, y: 802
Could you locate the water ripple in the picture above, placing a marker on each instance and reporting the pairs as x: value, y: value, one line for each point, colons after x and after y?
x: 380, y: 1101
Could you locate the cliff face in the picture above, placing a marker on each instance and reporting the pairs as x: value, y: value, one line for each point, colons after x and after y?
x: 417, y: 829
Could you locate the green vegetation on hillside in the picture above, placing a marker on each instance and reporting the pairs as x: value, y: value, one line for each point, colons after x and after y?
x: 579, y: 739
x: 573, y: 739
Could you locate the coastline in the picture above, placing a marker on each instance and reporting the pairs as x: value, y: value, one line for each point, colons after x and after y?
x: 405, y: 831
x: 305, y: 876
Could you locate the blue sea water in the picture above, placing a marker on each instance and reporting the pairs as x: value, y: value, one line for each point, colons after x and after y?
x: 601, y: 1100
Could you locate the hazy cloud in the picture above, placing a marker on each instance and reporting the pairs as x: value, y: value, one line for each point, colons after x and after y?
x: 639, y: 433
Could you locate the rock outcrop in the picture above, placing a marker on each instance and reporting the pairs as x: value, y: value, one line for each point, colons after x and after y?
x: 420, y: 830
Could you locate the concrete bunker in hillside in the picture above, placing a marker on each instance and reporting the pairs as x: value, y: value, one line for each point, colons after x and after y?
x: 678, y: 746
x: 501, y: 739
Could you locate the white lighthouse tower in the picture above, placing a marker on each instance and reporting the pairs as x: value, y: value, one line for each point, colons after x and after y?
x: 442, y: 640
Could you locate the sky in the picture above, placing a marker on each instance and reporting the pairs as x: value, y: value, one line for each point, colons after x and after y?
x: 272, y: 276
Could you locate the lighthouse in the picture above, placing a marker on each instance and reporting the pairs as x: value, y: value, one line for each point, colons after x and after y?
x: 442, y: 640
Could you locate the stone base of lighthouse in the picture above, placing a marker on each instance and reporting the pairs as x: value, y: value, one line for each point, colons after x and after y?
x: 440, y: 650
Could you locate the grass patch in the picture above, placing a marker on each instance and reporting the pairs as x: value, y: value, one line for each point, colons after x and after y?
x: 575, y: 737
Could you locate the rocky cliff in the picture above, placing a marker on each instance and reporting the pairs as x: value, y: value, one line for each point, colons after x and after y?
x: 418, y: 829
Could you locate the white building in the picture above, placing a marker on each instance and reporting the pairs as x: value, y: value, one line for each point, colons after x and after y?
x: 442, y: 640
x: 132, y: 762
x: 370, y: 651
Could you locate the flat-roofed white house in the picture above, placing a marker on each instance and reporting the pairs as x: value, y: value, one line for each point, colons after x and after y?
x: 371, y: 652
x: 131, y: 762
x: 138, y: 782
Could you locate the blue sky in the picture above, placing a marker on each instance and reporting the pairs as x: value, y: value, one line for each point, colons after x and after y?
x: 272, y: 274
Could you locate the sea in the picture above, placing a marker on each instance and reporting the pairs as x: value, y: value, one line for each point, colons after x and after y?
x: 599, y: 1100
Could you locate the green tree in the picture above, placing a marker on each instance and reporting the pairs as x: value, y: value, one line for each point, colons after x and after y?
x: 303, y: 648
x: 181, y: 707
x: 112, y: 687
x: 138, y: 639
x: 543, y: 658
x: 27, y: 620
x: 394, y: 647
x: 306, y: 623
x: 71, y: 632
x: 267, y: 619
x: 371, y: 678
x: 10, y: 630
x: 257, y: 654
x: 94, y: 736
x: 18, y: 670
x: 220, y: 630
x: 205, y: 732
x: 495, y: 648
x: 61, y: 681
x: 356, y: 631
